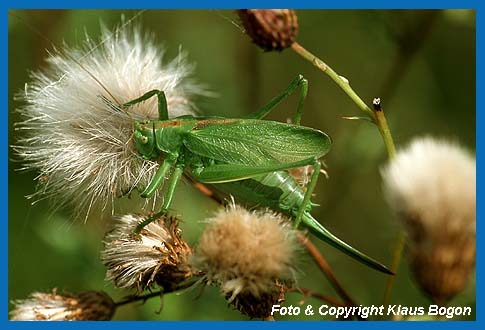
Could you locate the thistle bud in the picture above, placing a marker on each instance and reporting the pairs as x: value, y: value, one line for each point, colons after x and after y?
x: 431, y: 186
x: 249, y: 255
x: 158, y: 255
x: 271, y: 29
x: 86, y: 306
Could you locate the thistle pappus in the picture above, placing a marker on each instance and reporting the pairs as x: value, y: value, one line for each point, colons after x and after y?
x: 77, y: 137
x: 250, y: 255
x: 85, y: 306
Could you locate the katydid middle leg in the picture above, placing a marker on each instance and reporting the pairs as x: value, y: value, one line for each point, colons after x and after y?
x: 297, y: 82
x: 162, y: 102
x: 309, y: 191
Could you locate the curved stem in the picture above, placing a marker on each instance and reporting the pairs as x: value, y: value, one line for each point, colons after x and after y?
x: 324, y: 266
x: 340, y: 81
x: 384, y: 129
x: 310, y: 247
x: 396, y: 261
x: 145, y: 297
x: 310, y: 293
x: 378, y: 118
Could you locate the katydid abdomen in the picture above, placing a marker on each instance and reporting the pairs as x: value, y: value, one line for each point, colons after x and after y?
x: 280, y: 192
x: 247, y: 158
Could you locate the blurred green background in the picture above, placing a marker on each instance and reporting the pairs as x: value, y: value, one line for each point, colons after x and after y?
x: 421, y: 64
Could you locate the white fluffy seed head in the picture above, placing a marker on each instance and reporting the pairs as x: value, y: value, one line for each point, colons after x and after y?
x: 157, y: 255
x: 86, y: 306
x: 246, y: 253
x: 431, y: 185
x: 435, y: 180
x: 80, y: 143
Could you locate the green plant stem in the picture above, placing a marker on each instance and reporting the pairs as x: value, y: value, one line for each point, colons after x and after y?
x: 341, y: 82
x: 378, y: 118
x: 381, y: 123
x: 310, y: 293
x: 310, y: 247
x: 325, y: 267
x: 145, y: 297
x: 396, y: 261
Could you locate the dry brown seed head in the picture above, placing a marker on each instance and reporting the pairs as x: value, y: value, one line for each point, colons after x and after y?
x: 157, y: 255
x: 270, y: 29
x: 85, y: 306
x: 441, y: 260
x: 259, y: 306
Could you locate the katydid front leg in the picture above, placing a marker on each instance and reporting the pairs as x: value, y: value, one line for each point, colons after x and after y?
x: 155, y: 183
x: 174, y: 180
x: 162, y: 102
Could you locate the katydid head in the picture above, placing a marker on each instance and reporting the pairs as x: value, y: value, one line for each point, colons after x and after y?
x: 145, y: 139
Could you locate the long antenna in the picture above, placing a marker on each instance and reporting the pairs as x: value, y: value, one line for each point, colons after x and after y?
x: 228, y: 19
x: 77, y: 61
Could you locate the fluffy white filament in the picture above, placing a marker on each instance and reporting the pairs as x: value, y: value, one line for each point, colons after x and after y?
x: 76, y: 136
x: 132, y: 261
x: 434, y: 182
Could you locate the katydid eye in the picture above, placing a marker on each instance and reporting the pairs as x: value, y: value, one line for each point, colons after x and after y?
x: 144, y: 140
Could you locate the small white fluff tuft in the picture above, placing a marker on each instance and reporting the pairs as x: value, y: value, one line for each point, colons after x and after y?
x: 86, y: 306
x: 435, y: 180
x: 77, y: 137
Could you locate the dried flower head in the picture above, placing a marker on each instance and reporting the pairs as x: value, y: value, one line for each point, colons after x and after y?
x: 270, y: 29
x: 431, y: 186
x: 77, y: 136
x: 156, y: 255
x: 86, y: 306
x: 247, y: 253
x: 259, y: 306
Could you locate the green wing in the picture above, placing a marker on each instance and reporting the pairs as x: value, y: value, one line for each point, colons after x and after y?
x: 256, y: 142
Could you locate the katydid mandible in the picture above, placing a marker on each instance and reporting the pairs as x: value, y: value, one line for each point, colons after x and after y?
x: 247, y: 158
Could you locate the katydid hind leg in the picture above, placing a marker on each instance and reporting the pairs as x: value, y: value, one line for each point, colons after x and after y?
x: 297, y: 82
x: 235, y: 172
x: 323, y: 234
x: 162, y: 102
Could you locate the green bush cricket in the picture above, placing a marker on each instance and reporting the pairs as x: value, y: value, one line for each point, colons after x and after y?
x: 247, y: 158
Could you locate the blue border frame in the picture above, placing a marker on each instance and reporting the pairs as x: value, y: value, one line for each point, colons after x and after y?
x: 204, y: 4
x: 193, y: 4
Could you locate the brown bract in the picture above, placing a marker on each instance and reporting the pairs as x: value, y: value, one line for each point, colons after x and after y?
x: 270, y: 29
x: 158, y: 255
x: 86, y: 306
